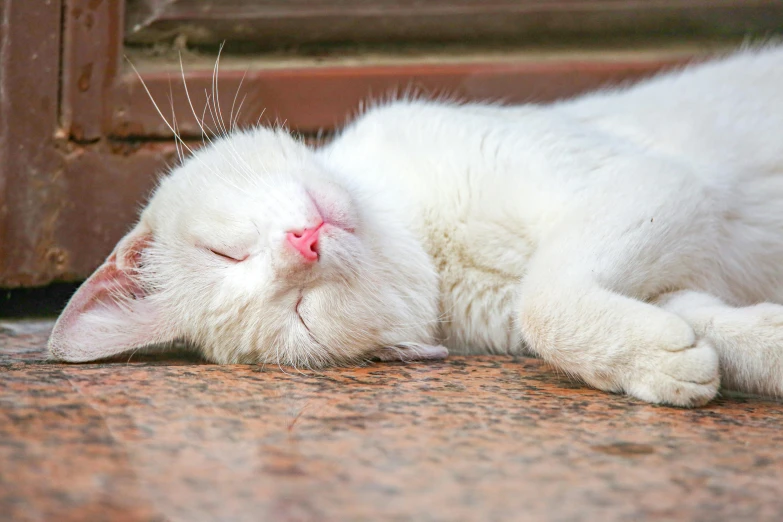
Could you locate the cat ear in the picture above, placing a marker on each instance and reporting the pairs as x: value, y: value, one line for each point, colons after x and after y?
x: 406, y: 352
x: 110, y: 313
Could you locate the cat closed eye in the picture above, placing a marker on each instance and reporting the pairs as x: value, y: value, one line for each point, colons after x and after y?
x: 229, y: 257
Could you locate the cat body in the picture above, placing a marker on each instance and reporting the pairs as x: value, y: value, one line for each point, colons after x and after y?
x: 633, y: 238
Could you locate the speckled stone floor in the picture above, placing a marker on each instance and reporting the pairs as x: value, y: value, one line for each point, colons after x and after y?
x: 481, y: 438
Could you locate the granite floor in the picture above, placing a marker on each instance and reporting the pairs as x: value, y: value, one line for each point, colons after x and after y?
x: 480, y: 438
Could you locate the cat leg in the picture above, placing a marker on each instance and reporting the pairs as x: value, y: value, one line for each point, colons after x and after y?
x: 749, y: 340
x: 640, y: 225
x: 616, y: 343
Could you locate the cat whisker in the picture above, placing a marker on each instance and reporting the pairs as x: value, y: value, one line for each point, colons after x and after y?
x: 258, y: 122
x: 160, y: 113
x: 177, y: 145
x: 231, y: 121
x: 200, y: 123
x: 239, y: 110
x: 216, y: 93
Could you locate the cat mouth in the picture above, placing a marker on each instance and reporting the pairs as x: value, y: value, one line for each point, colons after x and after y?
x: 304, y: 324
x: 299, y: 315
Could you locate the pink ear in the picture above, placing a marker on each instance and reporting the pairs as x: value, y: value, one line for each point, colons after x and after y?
x: 110, y: 313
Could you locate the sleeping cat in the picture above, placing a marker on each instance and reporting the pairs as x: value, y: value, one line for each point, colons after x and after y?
x: 633, y: 238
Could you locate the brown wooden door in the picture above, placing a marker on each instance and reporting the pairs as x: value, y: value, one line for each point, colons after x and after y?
x: 81, y: 144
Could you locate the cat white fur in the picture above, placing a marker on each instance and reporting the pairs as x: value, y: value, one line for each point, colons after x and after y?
x: 626, y: 236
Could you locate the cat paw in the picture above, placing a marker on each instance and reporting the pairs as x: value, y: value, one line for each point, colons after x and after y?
x: 677, y: 374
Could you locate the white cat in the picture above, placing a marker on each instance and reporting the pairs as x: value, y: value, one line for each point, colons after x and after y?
x: 633, y: 238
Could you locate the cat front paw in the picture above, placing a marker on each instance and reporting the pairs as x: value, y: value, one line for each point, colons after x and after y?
x: 678, y: 374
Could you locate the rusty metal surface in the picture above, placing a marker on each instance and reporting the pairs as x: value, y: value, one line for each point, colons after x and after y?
x: 31, y: 188
x: 271, y: 23
x: 106, y: 185
x: 92, y: 47
x: 99, y: 190
x: 62, y: 205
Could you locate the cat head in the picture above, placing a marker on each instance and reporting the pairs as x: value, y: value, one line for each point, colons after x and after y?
x: 254, y: 252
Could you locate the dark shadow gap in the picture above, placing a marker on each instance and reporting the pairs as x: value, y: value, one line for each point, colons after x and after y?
x: 46, y: 301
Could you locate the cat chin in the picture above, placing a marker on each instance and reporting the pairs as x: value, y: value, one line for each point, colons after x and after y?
x: 409, y: 352
x: 403, y: 352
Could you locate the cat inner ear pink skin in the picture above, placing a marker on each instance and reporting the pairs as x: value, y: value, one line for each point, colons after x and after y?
x: 111, y: 312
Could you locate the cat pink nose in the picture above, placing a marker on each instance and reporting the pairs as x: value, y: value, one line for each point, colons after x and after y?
x: 306, y: 241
